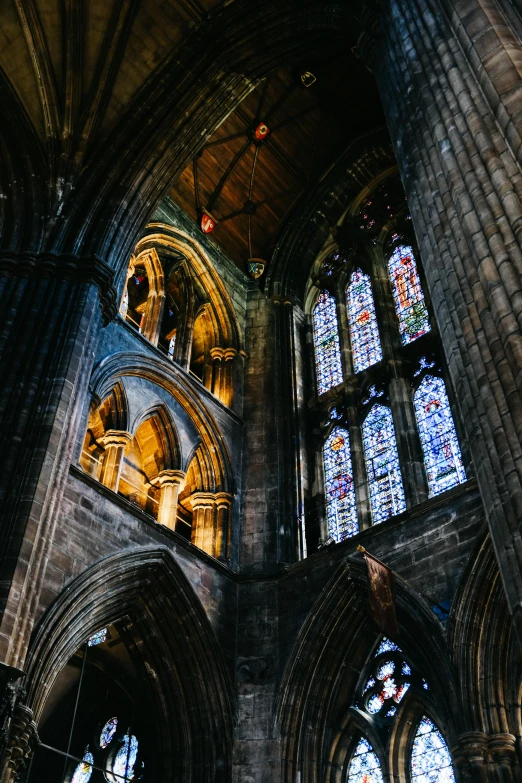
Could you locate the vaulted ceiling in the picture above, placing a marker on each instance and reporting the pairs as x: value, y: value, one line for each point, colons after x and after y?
x: 106, y: 104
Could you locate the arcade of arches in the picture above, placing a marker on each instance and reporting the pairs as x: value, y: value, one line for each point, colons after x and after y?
x: 260, y: 287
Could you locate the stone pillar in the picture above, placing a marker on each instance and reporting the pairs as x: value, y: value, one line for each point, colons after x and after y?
x: 223, y: 525
x: 21, y: 742
x: 170, y: 482
x: 452, y: 91
x: 227, y: 396
x: 203, y: 506
x: 51, y: 310
x: 470, y: 755
x: 502, y: 749
x: 114, y: 442
x: 218, y: 372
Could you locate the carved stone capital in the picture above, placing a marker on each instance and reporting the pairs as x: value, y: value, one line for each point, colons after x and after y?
x: 502, y: 748
x: 64, y: 266
x: 471, y: 749
x: 115, y: 438
x: 217, y: 352
x: 174, y: 478
x: 201, y: 500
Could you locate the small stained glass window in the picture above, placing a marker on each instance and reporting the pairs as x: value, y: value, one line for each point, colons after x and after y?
x: 385, y: 646
x: 124, y: 760
x: 124, y: 307
x: 382, y: 465
x: 341, y: 511
x: 326, y: 342
x: 364, y: 766
x: 172, y: 345
x: 108, y: 732
x: 407, y: 294
x: 430, y: 757
x: 364, y: 332
x: 442, y: 456
x: 97, y: 638
x: 83, y: 772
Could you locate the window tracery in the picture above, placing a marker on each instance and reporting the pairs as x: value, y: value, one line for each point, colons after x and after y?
x: 364, y: 767
x: 382, y: 464
x: 340, y: 492
x: 326, y: 341
x: 364, y: 332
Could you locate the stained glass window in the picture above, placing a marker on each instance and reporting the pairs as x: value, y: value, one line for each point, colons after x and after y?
x: 386, y: 646
x: 83, y: 772
x: 364, y: 332
x: 442, y: 457
x: 386, y: 687
x: 326, y: 341
x: 341, y: 511
x: 108, y: 732
x: 172, y: 345
x: 125, y: 304
x: 364, y: 766
x: 97, y: 638
x: 124, y: 761
x: 430, y: 757
x: 382, y: 464
x: 407, y: 294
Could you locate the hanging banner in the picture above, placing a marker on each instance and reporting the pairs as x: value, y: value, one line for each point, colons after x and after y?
x: 380, y: 593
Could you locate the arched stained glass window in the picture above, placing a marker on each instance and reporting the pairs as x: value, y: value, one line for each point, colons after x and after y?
x: 442, y: 456
x: 341, y: 511
x: 326, y: 342
x: 108, y: 732
x: 122, y: 763
x: 364, y: 332
x: 382, y: 464
x: 364, y: 766
x: 430, y: 757
x: 407, y: 294
x: 83, y: 772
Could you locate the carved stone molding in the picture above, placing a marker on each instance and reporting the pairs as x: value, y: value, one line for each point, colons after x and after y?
x: 22, y: 740
x: 64, y: 266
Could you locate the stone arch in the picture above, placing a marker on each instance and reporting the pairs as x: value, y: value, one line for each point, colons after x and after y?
x: 160, y: 373
x: 109, y: 413
x: 167, y: 432
x: 320, y: 678
x: 148, y: 589
x: 149, y: 260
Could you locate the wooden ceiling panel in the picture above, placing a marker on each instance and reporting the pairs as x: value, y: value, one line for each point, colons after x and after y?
x: 308, y: 129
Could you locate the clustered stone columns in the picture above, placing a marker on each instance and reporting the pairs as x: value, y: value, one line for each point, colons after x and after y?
x: 170, y: 483
x: 480, y: 758
x: 51, y: 312
x: 211, y: 522
x: 223, y: 372
x: 451, y: 88
x: 115, y: 443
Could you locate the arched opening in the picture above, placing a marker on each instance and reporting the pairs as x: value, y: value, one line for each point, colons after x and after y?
x: 202, y: 341
x: 98, y: 723
x: 175, y: 315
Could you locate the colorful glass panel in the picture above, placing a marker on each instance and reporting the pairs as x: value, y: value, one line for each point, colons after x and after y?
x: 364, y: 766
x: 382, y: 465
x: 125, y: 303
x: 326, y: 342
x: 83, y: 772
x: 386, y: 645
x: 364, y: 332
x: 341, y: 510
x: 442, y: 456
x: 430, y: 757
x: 108, y: 732
x: 97, y: 638
x: 172, y: 345
x: 407, y: 294
x: 124, y: 761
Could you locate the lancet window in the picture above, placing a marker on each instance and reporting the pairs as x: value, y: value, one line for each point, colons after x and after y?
x: 364, y: 766
x: 377, y: 363
x: 430, y: 757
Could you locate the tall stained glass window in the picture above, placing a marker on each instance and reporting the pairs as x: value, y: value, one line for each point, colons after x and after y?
x: 442, y: 456
x: 326, y: 341
x: 364, y: 332
x: 430, y: 757
x: 364, y: 766
x: 341, y: 511
x: 83, y: 772
x: 382, y: 464
x: 407, y: 295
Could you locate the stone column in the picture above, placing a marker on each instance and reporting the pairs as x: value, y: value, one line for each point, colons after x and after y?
x: 114, y: 442
x: 21, y: 742
x: 218, y: 374
x: 451, y: 91
x: 170, y: 482
x: 203, y: 506
x: 223, y: 525
x: 51, y: 310
x: 470, y: 756
x: 502, y: 749
x: 227, y: 397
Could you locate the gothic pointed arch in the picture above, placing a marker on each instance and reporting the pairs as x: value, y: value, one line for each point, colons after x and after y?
x: 167, y: 434
x: 180, y: 659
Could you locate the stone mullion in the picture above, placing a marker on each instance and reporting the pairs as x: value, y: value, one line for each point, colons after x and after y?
x: 492, y: 503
